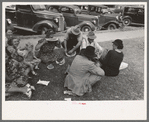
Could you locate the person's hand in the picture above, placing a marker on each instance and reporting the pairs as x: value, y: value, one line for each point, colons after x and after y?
x: 65, y: 51
x: 70, y: 52
x: 98, y: 64
x: 45, y: 41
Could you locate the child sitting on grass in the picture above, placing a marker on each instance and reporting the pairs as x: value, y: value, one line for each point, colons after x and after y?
x: 30, y: 58
x: 24, y: 67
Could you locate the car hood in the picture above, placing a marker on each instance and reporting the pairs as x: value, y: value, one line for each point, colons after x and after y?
x: 48, y: 14
x: 87, y: 16
x: 111, y: 15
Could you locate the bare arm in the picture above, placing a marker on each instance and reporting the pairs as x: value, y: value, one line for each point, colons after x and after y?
x: 40, y: 43
x: 78, y: 44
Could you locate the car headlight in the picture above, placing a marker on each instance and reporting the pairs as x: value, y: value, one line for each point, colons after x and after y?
x: 94, y: 21
x: 56, y: 20
x: 9, y: 21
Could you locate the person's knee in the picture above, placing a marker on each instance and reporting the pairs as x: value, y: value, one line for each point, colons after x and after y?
x: 102, y: 73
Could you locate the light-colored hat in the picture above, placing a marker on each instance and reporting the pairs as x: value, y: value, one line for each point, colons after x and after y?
x: 75, y: 30
x: 91, y: 35
x: 54, y: 39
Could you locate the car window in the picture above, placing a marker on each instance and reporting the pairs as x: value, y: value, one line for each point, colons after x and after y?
x: 24, y: 7
x: 133, y: 10
x: 84, y: 7
x: 65, y: 9
x: 92, y: 8
x: 53, y: 9
x: 39, y: 7
x: 141, y: 11
x: 71, y: 10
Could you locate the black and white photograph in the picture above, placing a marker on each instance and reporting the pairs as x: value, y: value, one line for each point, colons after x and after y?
x: 74, y: 57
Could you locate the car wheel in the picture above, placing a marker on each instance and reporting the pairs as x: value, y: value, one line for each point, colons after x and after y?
x: 86, y: 28
x: 43, y: 30
x: 112, y: 26
x: 126, y: 21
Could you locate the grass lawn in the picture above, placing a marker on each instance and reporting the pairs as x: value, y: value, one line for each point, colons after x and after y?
x: 129, y: 85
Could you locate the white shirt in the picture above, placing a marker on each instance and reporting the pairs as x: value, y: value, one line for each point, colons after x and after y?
x: 98, y: 48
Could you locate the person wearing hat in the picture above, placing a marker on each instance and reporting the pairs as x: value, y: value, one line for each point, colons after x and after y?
x: 72, y: 40
x: 89, y: 40
x: 49, y: 50
x: 113, y: 60
x: 83, y: 73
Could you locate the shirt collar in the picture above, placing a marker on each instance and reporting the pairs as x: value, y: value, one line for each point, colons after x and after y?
x: 118, y: 50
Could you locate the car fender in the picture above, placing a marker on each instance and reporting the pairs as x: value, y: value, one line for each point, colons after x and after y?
x: 47, y: 23
x: 111, y: 22
x: 88, y: 23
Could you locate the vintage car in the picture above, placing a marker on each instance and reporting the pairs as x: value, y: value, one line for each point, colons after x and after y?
x: 133, y: 15
x: 107, y: 19
x: 85, y: 9
x: 35, y: 18
x: 73, y: 17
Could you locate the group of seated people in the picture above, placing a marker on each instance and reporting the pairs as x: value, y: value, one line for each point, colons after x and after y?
x: 90, y: 63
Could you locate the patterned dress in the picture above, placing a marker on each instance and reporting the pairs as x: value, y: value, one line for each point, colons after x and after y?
x: 48, y: 53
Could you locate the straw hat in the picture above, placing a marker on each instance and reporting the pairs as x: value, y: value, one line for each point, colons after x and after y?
x: 91, y: 35
x: 75, y: 30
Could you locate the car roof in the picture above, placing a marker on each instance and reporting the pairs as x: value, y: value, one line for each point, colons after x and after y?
x: 70, y: 6
x: 100, y: 6
x: 133, y: 6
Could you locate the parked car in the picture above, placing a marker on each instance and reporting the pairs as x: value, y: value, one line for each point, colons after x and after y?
x: 133, y: 14
x: 35, y: 18
x: 73, y: 17
x: 107, y: 19
x: 98, y: 9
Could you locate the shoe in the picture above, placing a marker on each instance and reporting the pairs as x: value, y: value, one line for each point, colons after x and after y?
x: 36, y: 67
x: 32, y: 87
x: 34, y: 73
x: 69, y: 93
x: 29, y: 93
x: 50, y: 66
x: 61, y: 62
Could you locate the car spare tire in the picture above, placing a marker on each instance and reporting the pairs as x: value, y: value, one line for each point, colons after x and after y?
x: 86, y: 28
x: 126, y: 21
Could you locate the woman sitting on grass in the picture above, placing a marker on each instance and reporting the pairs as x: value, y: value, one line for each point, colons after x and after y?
x: 16, y: 80
x: 47, y: 52
x: 29, y: 57
x: 112, y: 61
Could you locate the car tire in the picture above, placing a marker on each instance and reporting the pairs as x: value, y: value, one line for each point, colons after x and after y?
x: 112, y: 26
x: 126, y: 21
x: 43, y: 30
x: 86, y: 28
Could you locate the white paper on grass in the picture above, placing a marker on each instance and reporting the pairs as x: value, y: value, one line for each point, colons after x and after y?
x: 123, y: 65
x: 43, y: 82
x: 67, y: 99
